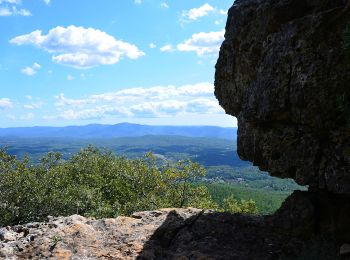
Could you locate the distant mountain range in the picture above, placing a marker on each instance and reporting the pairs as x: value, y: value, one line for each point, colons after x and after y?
x: 118, y: 130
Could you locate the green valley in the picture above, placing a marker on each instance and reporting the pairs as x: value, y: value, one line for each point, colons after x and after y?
x: 226, y: 174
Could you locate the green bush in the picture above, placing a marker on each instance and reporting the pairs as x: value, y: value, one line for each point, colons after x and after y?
x: 95, y: 183
x: 230, y: 204
x: 267, y: 201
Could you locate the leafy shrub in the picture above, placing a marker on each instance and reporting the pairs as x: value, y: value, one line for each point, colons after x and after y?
x: 95, y: 183
x: 267, y: 201
x: 232, y: 205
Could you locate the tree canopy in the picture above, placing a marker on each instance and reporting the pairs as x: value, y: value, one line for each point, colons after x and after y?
x: 98, y: 183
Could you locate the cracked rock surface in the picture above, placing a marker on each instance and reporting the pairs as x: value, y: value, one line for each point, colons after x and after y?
x: 283, y: 72
x: 162, y: 234
x: 76, y: 237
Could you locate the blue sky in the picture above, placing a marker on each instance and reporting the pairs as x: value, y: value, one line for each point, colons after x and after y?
x: 65, y: 62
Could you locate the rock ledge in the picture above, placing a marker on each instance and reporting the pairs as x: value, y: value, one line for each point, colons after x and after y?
x: 161, y: 234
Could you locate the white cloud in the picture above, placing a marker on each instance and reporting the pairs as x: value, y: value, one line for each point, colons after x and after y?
x: 164, y: 5
x: 21, y: 12
x: 154, y: 102
x: 47, y: 2
x: 5, y: 11
x: 138, y: 2
x: 36, y: 66
x: 27, y: 116
x: 223, y: 12
x: 62, y: 101
x: 28, y: 71
x: 167, y: 48
x: 195, y: 13
x: 152, y: 45
x: 9, y: 8
x: 13, y: 11
x: 15, y: 2
x: 218, y: 22
x: 91, y: 113
x: 80, y: 47
x: 6, y: 103
x: 70, y: 77
x: 34, y: 105
x: 32, y: 70
x: 203, y: 43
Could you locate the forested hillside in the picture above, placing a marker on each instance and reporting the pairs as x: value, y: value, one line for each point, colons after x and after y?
x: 226, y: 175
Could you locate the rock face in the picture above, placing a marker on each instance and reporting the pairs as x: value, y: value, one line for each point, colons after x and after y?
x: 283, y: 72
x: 162, y: 234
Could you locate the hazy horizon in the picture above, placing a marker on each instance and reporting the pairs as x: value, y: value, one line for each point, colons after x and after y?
x: 120, y: 123
x: 105, y: 62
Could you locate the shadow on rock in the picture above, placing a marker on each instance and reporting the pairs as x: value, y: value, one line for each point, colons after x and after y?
x: 299, y: 230
x: 307, y: 226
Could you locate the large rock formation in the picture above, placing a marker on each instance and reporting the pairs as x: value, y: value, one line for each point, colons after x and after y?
x: 162, y: 234
x: 283, y: 73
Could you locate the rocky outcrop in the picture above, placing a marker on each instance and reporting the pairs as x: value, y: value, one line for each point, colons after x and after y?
x: 76, y: 237
x: 283, y: 73
x: 162, y: 234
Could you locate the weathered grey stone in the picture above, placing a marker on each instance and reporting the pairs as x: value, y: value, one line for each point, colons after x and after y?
x: 282, y: 72
x: 162, y: 234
